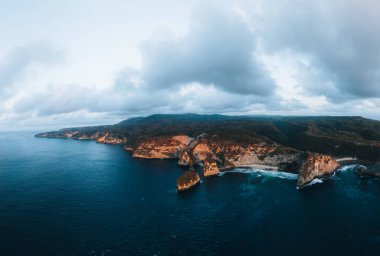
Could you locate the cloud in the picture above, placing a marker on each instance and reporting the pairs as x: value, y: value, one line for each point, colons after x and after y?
x: 335, y: 44
x: 219, y: 49
x: 20, y: 61
x: 289, y: 57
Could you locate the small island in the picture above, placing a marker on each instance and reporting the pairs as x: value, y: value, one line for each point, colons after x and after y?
x: 188, y: 180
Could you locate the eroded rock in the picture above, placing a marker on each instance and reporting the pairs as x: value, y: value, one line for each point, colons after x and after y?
x: 316, y: 166
x: 161, y: 147
x: 210, y: 168
x: 188, y: 180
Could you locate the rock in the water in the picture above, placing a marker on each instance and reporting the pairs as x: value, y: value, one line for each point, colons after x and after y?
x: 316, y: 166
x: 187, y: 180
x: 365, y: 173
x: 210, y: 168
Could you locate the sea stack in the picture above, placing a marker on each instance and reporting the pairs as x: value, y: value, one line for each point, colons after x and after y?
x: 316, y: 166
x: 187, y: 180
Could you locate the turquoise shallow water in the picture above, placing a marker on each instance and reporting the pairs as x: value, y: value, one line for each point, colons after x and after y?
x: 65, y: 197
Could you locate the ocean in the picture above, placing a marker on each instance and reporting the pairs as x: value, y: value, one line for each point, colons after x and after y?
x: 67, y: 197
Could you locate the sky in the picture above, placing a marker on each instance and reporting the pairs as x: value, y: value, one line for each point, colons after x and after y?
x: 88, y: 62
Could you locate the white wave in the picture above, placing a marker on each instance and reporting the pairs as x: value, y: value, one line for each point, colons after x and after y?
x: 347, y: 167
x: 275, y: 174
x: 313, y: 182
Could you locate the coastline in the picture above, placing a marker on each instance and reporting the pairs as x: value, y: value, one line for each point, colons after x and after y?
x: 258, y: 167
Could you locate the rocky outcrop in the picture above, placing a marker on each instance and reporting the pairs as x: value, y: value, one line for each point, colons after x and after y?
x: 365, y: 173
x: 210, y: 168
x: 107, y: 138
x: 185, y: 159
x: 316, y: 166
x: 232, y: 154
x: 192, y: 151
x: 211, y: 151
x: 187, y: 180
x: 263, y: 153
x: 99, y: 136
x: 161, y: 147
x: 203, y: 150
x: 128, y: 147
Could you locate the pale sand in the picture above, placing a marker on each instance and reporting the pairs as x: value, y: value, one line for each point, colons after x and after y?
x: 346, y: 159
x: 259, y: 166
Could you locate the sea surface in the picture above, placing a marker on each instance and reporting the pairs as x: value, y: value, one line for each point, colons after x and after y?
x: 67, y: 197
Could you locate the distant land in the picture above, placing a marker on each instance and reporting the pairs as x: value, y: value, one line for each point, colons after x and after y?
x: 313, y: 147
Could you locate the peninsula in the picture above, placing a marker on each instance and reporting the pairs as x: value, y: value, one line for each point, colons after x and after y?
x: 312, y: 147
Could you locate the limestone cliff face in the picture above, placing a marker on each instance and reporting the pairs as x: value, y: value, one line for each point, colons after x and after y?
x: 191, y: 151
x: 107, y: 138
x: 257, y: 154
x: 185, y: 159
x: 210, y: 168
x: 161, y: 147
x: 187, y: 180
x: 316, y: 166
x: 202, y: 150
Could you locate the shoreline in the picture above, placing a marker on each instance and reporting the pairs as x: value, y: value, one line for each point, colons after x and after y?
x: 259, y: 167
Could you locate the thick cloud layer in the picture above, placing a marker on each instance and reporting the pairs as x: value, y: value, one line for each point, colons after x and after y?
x: 17, y: 64
x: 219, y: 49
x: 289, y: 57
x: 337, y: 44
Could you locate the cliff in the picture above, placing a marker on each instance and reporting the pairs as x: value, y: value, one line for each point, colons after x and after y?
x: 215, y: 154
x: 316, y: 166
x: 99, y: 136
x: 210, y: 168
x: 161, y: 147
x: 107, y: 138
x: 187, y: 180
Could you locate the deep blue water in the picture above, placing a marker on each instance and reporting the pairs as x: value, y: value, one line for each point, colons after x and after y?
x: 65, y: 197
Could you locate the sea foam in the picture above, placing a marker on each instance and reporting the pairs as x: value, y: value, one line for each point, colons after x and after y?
x: 275, y: 174
x: 347, y: 167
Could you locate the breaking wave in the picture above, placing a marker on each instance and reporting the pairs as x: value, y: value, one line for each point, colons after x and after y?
x: 347, y: 167
x: 275, y: 174
x: 315, y: 181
